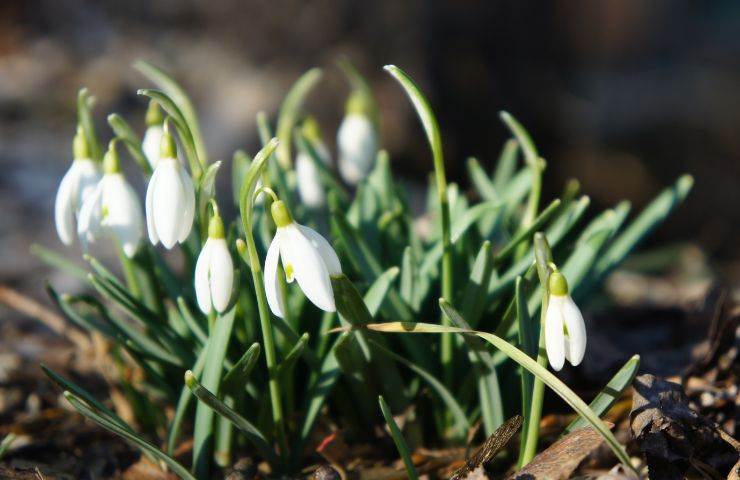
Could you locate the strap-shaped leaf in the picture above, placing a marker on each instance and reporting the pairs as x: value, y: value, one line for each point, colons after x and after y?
x: 133, y: 144
x: 397, y: 436
x: 290, y: 110
x: 85, y: 102
x: 506, y: 165
x: 482, y: 183
x: 237, y: 376
x: 127, y: 435
x: 609, y: 395
x: 55, y: 260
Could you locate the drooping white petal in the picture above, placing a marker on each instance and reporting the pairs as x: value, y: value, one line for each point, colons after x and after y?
x: 202, y: 288
x: 189, y: 214
x: 89, y: 220
x: 123, y: 218
x: 221, y: 272
x: 169, y: 202
x: 358, y: 144
x: 309, y: 182
x: 151, y: 144
x: 308, y: 267
x: 575, y: 341
x: 150, y: 226
x: 272, y: 288
x: 554, y: 335
x: 64, y: 207
x: 326, y: 251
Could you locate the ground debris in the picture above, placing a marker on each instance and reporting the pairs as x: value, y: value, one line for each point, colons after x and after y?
x: 673, y: 438
x: 561, y: 459
x: 494, y: 444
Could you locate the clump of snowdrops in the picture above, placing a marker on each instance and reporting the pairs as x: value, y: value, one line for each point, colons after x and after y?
x: 279, y: 319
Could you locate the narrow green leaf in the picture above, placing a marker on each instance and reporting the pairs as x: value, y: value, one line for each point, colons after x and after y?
x: 183, y: 403
x: 525, y: 234
x: 85, y: 102
x: 239, y: 165
x: 461, y: 425
x: 289, y: 111
x: 179, y: 97
x: 483, y: 185
x: 191, y: 322
x: 212, y: 371
x: 359, y: 83
x: 6, y: 444
x: 133, y: 143
x: 506, y: 165
x: 651, y: 216
x: 127, y: 435
x: 522, y: 136
x: 293, y: 354
x: 183, y: 129
x: 377, y: 292
x: 401, y: 446
x: 237, y: 376
x: 476, y: 290
x: 213, y: 404
x: 609, y: 395
x: 57, y: 261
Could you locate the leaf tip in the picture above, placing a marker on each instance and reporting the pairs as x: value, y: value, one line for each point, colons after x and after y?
x: 189, y: 378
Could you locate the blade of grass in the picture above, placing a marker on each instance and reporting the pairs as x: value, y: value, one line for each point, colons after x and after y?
x: 129, y: 436
x: 57, y: 261
x: 398, y: 439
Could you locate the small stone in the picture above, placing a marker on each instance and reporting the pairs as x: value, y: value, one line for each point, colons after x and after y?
x: 325, y: 472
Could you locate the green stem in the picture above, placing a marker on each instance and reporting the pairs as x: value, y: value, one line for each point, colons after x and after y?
x: 267, y: 337
x: 129, y: 272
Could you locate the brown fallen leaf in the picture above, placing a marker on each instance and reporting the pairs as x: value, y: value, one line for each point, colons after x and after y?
x: 674, y: 438
x: 561, y: 458
x: 494, y: 444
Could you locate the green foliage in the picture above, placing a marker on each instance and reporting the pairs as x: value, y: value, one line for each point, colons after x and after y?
x: 258, y: 383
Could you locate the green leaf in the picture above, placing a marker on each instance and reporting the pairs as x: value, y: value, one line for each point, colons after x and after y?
x: 246, y: 192
x: 522, y: 359
x: 133, y: 143
x: 525, y: 234
x: 57, y: 261
x: 609, y: 395
x: 522, y: 137
x: 183, y: 403
x: 476, y: 290
x: 127, y: 435
x: 529, y: 333
x: 293, y: 354
x: 191, y: 322
x: 483, y: 185
x: 187, y: 140
x: 398, y: 439
x: 289, y: 111
x: 654, y: 214
x: 239, y: 165
x: 213, y: 404
x: 237, y: 376
x: 180, y: 98
x: 212, y: 371
x: 6, y: 444
x: 85, y: 101
x: 506, y: 165
x: 379, y: 289
x: 359, y: 83
x: 460, y: 425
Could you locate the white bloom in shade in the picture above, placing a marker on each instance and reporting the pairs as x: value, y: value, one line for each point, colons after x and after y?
x: 565, y: 331
x: 151, y: 142
x: 307, y: 257
x: 309, y: 183
x: 170, y: 198
x: 76, y: 185
x: 153, y: 135
x: 112, y: 209
x: 214, y: 270
x: 357, y: 140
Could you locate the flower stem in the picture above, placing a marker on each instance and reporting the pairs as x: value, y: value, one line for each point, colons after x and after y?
x: 531, y: 432
x: 267, y: 337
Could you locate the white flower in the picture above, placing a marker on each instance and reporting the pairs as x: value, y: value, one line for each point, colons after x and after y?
x: 112, y: 209
x: 153, y: 134
x: 565, y: 331
x: 309, y: 183
x: 150, y: 144
x: 307, y: 257
x: 214, y: 270
x: 76, y: 185
x: 357, y: 141
x: 170, y: 198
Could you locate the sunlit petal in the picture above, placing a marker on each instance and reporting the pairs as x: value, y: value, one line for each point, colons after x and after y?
x: 575, y: 345
x: 202, y: 289
x: 554, y: 335
x: 309, y: 269
x: 272, y: 288
x: 221, y: 276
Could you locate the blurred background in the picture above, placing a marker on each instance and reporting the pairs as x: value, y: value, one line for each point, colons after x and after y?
x: 624, y: 94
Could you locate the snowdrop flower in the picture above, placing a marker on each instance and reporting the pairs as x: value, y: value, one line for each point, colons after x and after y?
x: 214, y: 270
x: 565, y: 332
x: 153, y: 134
x: 76, y: 185
x: 310, y: 187
x: 357, y: 140
x: 170, y: 198
x: 112, y: 209
x: 307, y: 257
